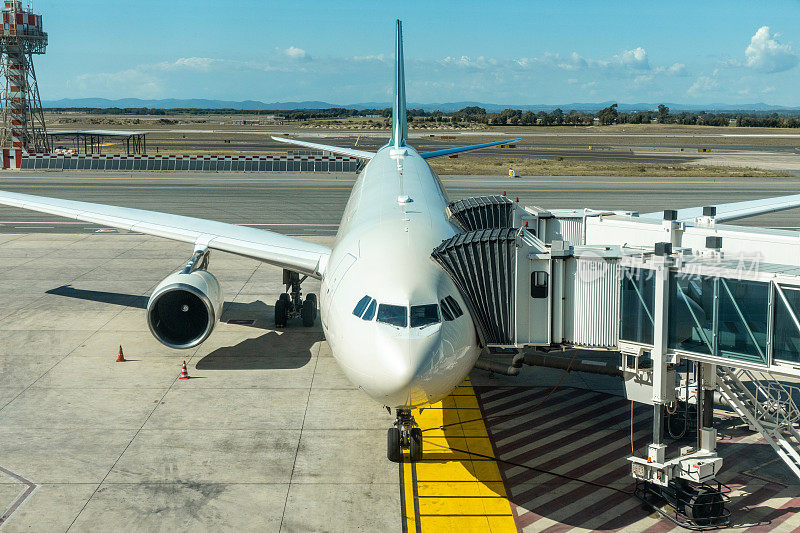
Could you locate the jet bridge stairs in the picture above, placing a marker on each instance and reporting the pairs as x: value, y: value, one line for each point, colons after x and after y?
x: 682, y: 306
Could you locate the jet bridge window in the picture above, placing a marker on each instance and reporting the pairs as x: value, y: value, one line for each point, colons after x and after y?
x: 742, y: 319
x: 394, y: 315
x: 691, y: 313
x: 424, y: 315
x: 638, y: 305
x: 785, y: 327
x: 539, y: 282
x: 723, y: 317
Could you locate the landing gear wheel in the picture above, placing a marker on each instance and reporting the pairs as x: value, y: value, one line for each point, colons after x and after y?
x: 394, y: 450
x: 285, y: 297
x: 704, y: 507
x: 309, y: 311
x: 281, y: 313
x: 415, y: 446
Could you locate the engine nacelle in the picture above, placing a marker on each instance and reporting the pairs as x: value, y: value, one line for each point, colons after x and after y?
x: 184, y: 309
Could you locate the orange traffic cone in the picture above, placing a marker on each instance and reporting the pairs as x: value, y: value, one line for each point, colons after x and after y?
x: 184, y: 373
x: 120, y: 357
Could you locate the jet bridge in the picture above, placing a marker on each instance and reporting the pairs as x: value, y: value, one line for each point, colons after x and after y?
x: 721, y: 300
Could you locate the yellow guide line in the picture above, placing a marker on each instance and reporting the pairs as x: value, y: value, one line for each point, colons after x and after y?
x: 451, y: 489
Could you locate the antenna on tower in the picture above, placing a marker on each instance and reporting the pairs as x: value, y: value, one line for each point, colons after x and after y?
x: 22, y: 36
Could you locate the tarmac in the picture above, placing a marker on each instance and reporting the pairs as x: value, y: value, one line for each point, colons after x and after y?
x: 268, y: 434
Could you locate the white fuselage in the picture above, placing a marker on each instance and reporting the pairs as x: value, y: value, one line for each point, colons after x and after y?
x: 383, y: 250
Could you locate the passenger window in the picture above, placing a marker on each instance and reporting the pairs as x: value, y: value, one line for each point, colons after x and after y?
x: 457, y: 312
x: 369, y: 314
x: 539, y: 284
x: 394, y: 315
x: 424, y: 315
x: 361, y: 305
x: 446, y: 313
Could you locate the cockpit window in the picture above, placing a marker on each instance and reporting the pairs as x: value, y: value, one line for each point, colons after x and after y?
x: 457, y: 312
x: 395, y: 315
x: 446, y: 313
x: 361, y: 305
x: 424, y: 315
x: 369, y: 314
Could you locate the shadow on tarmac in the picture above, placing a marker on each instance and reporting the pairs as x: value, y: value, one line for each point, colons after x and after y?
x: 272, y: 350
x: 260, y: 313
x: 291, y: 349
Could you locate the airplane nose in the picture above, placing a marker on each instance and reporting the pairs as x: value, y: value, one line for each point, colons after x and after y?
x: 406, y: 362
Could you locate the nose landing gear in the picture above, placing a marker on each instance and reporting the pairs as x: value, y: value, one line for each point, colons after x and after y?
x: 405, y: 435
x: 291, y: 303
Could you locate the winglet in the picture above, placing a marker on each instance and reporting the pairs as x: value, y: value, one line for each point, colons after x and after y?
x: 399, y: 125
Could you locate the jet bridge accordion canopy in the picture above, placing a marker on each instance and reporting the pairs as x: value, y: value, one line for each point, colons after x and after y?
x: 483, y: 265
x: 482, y: 212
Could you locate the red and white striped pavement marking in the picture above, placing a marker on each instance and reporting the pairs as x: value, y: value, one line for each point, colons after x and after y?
x: 586, y: 435
x: 30, y: 487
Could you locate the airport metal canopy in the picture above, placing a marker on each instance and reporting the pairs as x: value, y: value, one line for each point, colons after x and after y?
x: 92, y: 141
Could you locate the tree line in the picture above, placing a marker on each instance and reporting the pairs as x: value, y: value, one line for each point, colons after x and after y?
x: 506, y: 117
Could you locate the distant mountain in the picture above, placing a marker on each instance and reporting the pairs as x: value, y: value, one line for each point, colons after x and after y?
x: 446, y: 107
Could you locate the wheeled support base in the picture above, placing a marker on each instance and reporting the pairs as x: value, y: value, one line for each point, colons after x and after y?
x: 405, y: 435
x: 695, y: 506
x: 291, y: 303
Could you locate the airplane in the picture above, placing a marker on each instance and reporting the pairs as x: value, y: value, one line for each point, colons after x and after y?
x: 396, y: 323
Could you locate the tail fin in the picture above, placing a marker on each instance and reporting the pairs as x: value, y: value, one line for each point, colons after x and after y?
x: 399, y: 125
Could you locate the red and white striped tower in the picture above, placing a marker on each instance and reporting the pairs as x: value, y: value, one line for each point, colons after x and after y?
x: 21, y: 36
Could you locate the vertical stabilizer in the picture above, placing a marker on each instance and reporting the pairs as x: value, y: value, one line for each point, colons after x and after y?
x: 399, y: 125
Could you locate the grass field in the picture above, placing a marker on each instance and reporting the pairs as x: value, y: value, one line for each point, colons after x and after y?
x: 542, y: 167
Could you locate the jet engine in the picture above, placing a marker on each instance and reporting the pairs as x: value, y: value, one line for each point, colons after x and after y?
x: 184, y: 308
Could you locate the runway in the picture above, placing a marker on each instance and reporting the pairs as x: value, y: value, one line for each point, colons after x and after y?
x: 312, y: 203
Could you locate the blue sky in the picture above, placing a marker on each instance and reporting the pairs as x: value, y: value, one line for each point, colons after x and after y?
x: 505, y: 52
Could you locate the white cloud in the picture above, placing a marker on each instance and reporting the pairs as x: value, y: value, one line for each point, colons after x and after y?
x: 200, y: 64
x: 478, y: 63
x: 636, y: 59
x: 703, y: 84
x: 766, y: 54
x: 677, y: 69
x: 573, y: 62
x: 296, y: 53
x: 371, y: 57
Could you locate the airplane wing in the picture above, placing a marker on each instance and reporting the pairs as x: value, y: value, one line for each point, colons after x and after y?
x: 267, y: 246
x: 736, y: 210
x: 361, y: 154
x: 459, y: 149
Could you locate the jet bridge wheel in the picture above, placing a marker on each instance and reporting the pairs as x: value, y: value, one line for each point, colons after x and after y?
x: 704, y: 506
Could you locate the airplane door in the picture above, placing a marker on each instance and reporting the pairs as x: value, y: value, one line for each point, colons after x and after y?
x: 539, y: 313
x: 336, y: 278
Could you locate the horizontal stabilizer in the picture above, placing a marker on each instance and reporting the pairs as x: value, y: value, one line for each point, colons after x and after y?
x: 361, y: 154
x: 737, y: 210
x: 448, y: 151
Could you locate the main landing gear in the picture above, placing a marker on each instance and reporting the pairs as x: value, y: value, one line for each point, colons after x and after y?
x: 405, y: 435
x: 290, y: 304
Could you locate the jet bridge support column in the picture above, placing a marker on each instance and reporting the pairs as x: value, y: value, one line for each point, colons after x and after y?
x: 682, y: 481
x: 663, y: 369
